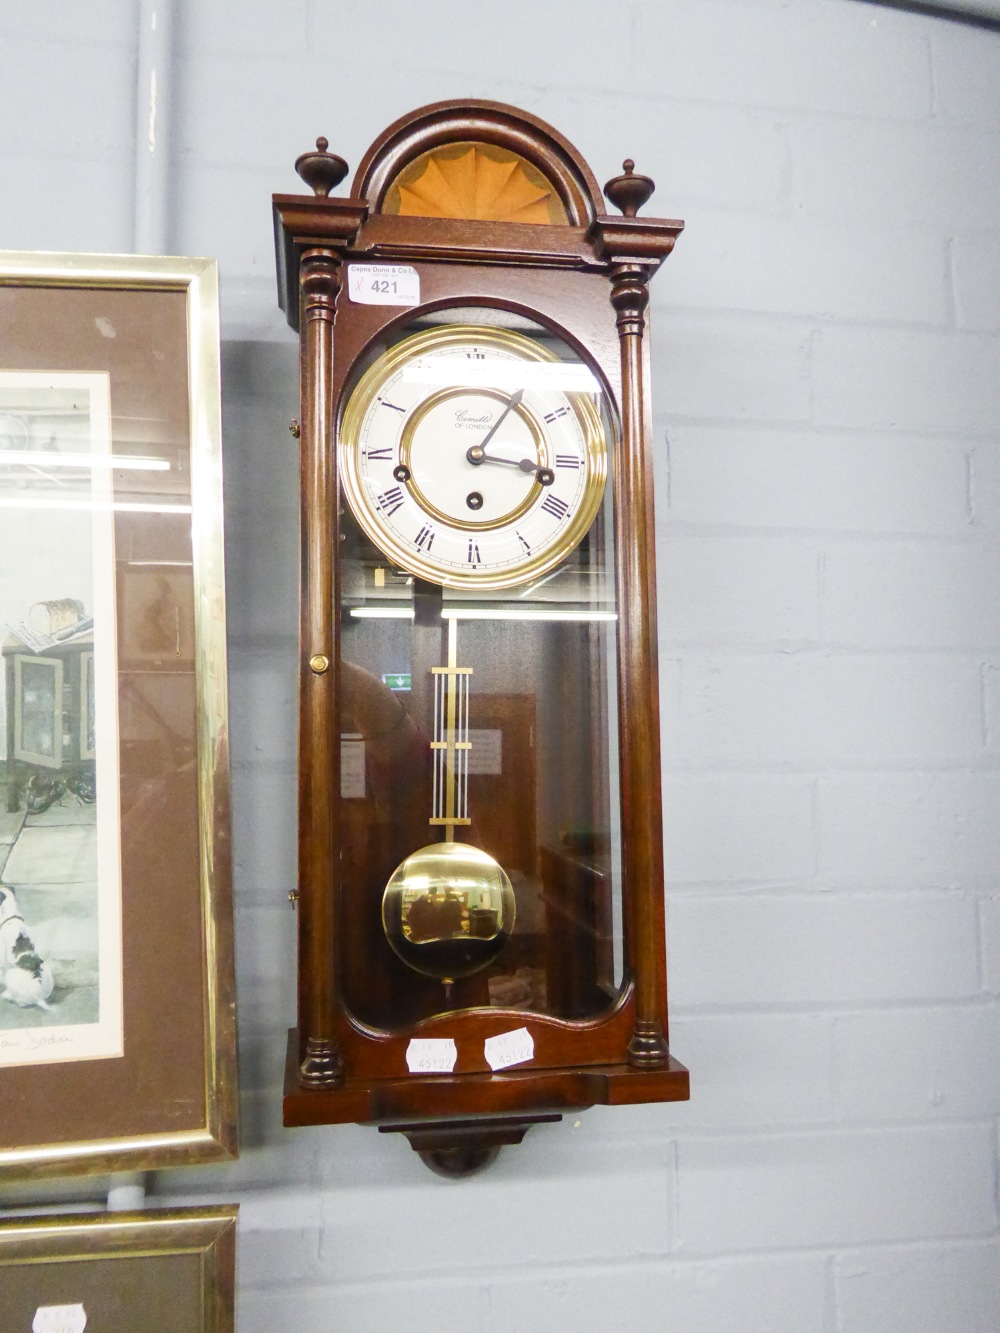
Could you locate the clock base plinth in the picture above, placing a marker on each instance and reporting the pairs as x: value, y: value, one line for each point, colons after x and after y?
x: 459, y: 1122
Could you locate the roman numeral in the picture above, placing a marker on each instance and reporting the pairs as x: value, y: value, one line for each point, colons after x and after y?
x: 554, y: 506
x: 474, y: 557
x: 527, y: 548
x: 379, y: 455
x: 425, y: 537
x: 391, y: 500
x: 566, y: 460
x: 475, y: 355
x: 559, y: 412
x: 383, y: 403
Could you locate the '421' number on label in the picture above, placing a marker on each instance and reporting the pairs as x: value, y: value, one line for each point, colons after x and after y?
x: 383, y: 284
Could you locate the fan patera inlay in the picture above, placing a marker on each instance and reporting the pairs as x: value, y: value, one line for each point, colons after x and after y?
x: 479, y: 181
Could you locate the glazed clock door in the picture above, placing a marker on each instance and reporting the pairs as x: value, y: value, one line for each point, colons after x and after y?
x: 478, y: 651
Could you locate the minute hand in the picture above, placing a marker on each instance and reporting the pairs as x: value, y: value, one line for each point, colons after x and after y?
x: 474, y: 454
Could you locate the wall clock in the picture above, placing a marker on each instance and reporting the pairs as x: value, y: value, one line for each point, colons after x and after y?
x: 480, y: 896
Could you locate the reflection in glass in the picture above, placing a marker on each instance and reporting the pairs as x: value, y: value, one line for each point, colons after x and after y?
x: 448, y: 910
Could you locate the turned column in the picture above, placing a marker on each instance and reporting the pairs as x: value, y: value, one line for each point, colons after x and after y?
x: 642, y: 836
x: 320, y: 1063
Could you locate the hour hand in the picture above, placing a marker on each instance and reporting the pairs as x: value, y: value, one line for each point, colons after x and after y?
x: 477, y: 454
x: 544, y: 475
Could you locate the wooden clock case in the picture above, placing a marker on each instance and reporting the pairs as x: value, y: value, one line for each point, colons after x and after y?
x: 586, y: 278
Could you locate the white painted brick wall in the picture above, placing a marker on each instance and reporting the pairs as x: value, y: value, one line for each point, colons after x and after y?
x: 909, y: 829
x: 808, y: 710
x: 990, y: 924
x: 934, y: 1054
x: 757, y: 370
x: 836, y: 1188
x: 768, y: 479
x: 739, y: 590
x: 826, y: 270
x: 873, y: 173
x: 804, y: 57
x: 895, y: 378
x: 820, y: 949
x: 976, y: 276
x: 713, y: 1297
x: 911, y: 595
x: 951, y: 1289
x: 761, y: 831
x: 826, y: 359
x: 757, y: 1067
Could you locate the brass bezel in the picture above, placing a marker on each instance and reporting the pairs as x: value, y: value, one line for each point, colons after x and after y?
x: 366, y: 391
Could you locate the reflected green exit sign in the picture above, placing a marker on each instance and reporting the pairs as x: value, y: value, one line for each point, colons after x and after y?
x: 402, y: 680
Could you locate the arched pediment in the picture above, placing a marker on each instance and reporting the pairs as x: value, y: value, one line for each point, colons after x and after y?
x: 477, y: 160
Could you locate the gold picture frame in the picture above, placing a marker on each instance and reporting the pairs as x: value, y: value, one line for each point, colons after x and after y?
x: 171, y: 1269
x: 117, y: 987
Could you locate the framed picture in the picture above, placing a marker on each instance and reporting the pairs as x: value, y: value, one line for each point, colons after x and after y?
x: 172, y: 1270
x: 117, y: 1008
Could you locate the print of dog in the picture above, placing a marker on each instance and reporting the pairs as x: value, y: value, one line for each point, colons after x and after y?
x: 26, y: 979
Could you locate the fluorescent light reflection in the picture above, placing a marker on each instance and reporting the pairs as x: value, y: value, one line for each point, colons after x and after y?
x: 160, y: 564
x: 42, y: 458
x: 99, y: 506
x: 483, y: 613
x: 571, y: 377
x: 527, y: 613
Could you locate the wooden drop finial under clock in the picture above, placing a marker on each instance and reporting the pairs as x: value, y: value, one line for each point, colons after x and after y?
x: 480, y: 896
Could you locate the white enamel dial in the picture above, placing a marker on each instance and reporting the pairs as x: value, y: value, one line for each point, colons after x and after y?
x: 472, y: 457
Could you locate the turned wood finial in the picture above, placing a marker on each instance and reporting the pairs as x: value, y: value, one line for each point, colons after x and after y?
x: 629, y: 192
x: 321, y: 171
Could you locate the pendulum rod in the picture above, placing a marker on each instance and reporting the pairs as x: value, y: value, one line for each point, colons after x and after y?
x: 451, y: 744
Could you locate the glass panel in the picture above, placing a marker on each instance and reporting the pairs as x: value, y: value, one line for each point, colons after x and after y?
x: 479, y: 727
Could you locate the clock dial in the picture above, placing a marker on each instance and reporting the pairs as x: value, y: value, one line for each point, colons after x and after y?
x: 471, y: 457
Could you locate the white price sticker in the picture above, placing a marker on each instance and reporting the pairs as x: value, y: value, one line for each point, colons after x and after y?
x: 509, y: 1048
x: 431, y: 1055
x: 383, y: 284
x: 59, y: 1319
